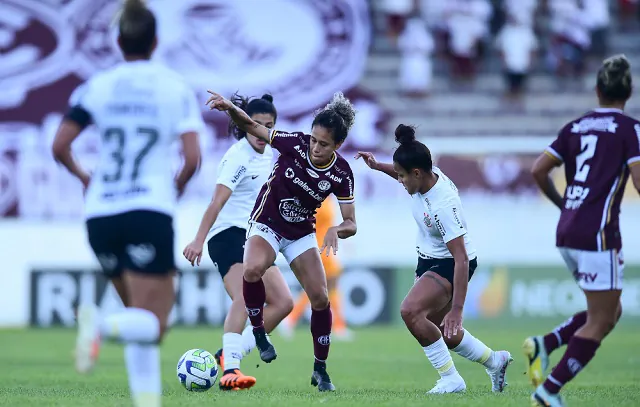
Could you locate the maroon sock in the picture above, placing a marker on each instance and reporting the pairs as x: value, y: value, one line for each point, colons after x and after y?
x: 321, y: 332
x: 579, y: 352
x: 254, y: 297
x: 563, y: 332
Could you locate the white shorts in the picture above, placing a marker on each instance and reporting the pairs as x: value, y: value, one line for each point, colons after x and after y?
x: 290, y: 249
x: 595, y: 271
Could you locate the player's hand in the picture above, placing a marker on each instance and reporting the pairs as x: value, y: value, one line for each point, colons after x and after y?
x: 85, y: 179
x: 452, y: 322
x: 368, y: 158
x: 218, y: 102
x: 330, y: 242
x: 193, y: 252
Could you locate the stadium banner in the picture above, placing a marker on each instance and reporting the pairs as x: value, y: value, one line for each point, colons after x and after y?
x: 368, y: 296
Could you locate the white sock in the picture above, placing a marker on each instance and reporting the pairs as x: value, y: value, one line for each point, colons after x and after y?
x: 248, y: 340
x: 131, y: 325
x: 143, y: 367
x: 439, y: 356
x: 475, y: 350
x: 232, y: 350
x: 139, y: 329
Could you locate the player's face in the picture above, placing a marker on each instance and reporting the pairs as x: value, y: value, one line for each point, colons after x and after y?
x: 268, y: 121
x: 321, y: 146
x: 409, y: 180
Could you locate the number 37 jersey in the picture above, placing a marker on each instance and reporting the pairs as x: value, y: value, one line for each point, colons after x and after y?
x: 140, y: 109
x: 597, y: 151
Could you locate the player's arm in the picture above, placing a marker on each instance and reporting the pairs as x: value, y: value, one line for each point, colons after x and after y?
x: 635, y: 175
x: 460, y: 271
x: 191, y: 152
x: 632, y: 154
x: 372, y: 163
x: 239, y: 117
x: 70, y: 128
x: 221, y: 195
x: 541, y: 172
x: 348, y: 227
x: 452, y: 229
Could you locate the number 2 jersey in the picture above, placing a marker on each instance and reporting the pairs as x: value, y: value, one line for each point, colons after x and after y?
x: 140, y: 109
x: 296, y: 188
x: 597, y: 151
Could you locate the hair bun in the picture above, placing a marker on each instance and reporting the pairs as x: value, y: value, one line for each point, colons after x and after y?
x: 267, y: 97
x: 405, y: 134
x: 617, y: 64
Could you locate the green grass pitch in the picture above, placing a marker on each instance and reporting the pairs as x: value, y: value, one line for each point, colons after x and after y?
x: 382, y: 366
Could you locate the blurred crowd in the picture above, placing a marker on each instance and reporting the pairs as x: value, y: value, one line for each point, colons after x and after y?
x: 560, y: 36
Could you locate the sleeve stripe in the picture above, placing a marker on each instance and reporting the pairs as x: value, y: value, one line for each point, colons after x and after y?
x: 553, y: 154
x: 633, y: 161
x: 273, y: 134
x: 345, y: 198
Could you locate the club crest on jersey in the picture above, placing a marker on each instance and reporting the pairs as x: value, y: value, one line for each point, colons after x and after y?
x: 324, y: 185
x: 427, y: 220
x: 313, y: 173
x: 289, y: 173
x: 333, y: 177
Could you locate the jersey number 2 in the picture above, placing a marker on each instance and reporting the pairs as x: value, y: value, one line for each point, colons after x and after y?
x: 587, y: 151
x: 118, y: 154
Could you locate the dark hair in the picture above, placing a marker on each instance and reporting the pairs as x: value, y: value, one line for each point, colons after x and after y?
x: 411, y: 153
x: 337, y: 117
x: 137, y: 28
x: 614, y: 79
x: 255, y: 106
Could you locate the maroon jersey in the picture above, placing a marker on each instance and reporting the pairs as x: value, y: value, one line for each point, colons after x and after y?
x: 296, y: 188
x: 597, y: 151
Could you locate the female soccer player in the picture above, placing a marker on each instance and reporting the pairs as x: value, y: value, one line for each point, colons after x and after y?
x: 140, y: 109
x: 598, y: 151
x: 324, y: 220
x: 307, y: 171
x: 242, y: 172
x: 446, y: 262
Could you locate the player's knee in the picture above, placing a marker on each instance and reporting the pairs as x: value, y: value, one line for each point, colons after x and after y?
x: 410, y: 312
x: 253, y: 271
x: 319, y: 299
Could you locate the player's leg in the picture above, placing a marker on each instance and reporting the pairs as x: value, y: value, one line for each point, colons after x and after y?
x: 333, y: 270
x: 428, y: 296
x: 279, y: 299
x: 600, y: 277
x: 288, y: 325
x: 304, y: 259
x: 464, y: 343
x: 259, y: 254
x: 226, y: 250
x: 232, y: 339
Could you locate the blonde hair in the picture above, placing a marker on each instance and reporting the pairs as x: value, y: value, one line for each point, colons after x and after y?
x: 614, y: 78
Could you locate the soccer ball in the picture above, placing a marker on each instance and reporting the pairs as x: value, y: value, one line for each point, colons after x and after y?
x: 197, y: 370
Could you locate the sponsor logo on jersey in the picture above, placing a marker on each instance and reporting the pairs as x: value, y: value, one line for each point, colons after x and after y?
x: 588, y: 124
x: 254, y: 176
x: 334, y: 178
x: 439, y: 225
x: 238, y: 174
x: 575, y: 196
x: 426, y: 200
x: 292, y: 211
x: 350, y: 186
x: 308, y: 189
x: 457, y: 218
x: 298, y: 163
x: 289, y: 173
x: 427, y: 220
x: 313, y: 173
x: 324, y: 185
x: 299, y: 150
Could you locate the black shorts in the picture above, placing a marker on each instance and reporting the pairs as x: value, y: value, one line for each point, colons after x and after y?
x: 227, y: 248
x: 140, y: 241
x: 442, y: 267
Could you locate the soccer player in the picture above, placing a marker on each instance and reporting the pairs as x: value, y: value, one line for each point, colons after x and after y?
x: 140, y: 108
x: 599, y: 150
x: 324, y: 220
x: 307, y: 171
x: 432, y: 310
x: 242, y: 172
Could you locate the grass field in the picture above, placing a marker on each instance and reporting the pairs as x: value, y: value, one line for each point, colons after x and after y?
x: 383, y: 366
